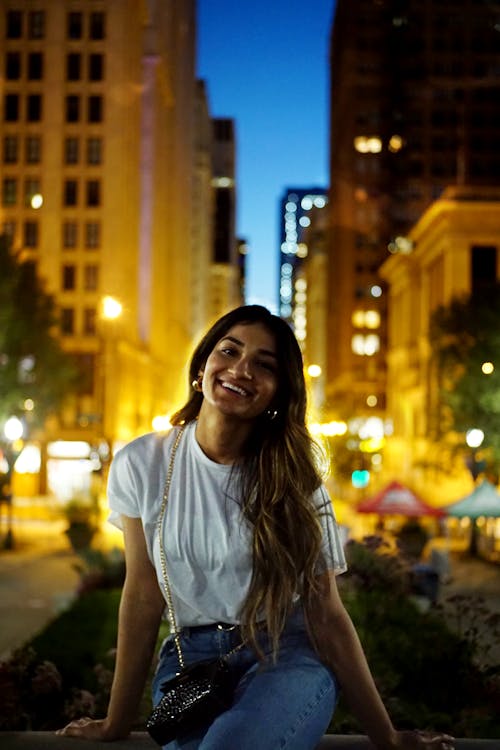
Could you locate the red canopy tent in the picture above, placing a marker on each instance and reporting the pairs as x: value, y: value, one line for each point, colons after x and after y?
x: 396, y: 499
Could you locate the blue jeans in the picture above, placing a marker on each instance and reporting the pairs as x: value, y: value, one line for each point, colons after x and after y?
x: 287, y: 704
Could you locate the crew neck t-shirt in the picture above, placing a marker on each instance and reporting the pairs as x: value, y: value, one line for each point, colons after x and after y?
x: 206, y: 538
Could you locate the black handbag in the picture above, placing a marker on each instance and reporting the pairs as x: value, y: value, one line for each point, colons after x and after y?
x: 201, y: 691
x: 191, y: 699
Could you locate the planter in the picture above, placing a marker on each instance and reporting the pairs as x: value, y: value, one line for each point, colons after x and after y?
x: 80, y: 535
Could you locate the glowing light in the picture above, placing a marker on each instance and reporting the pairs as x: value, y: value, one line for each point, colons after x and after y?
x: 487, y: 368
x: 306, y: 203
x: 360, y: 478
x: 304, y: 221
x: 13, y: 429
x: 474, y: 437
x: 36, y: 201
x: 29, y: 460
x: 372, y: 319
x: 314, y: 371
x: 371, y: 400
x: 291, y: 206
x: 368, y: 144
x: 328, y: 429
x: 68, y: 449
x: 320, y: 201
x: 396, y: 143
x: 29, y: 404
x: 111, y: 308
x: 302, y: 250
x: 161, y: 422
x: 376, y: 290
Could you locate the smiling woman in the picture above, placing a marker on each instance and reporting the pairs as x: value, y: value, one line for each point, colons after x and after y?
x: 226, y: 520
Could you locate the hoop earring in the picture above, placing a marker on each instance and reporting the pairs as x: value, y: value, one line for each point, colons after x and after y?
x: 271, y: 414
x: 196, y: 384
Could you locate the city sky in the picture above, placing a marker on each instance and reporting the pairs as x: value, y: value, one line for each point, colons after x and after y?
x: 266, y: 65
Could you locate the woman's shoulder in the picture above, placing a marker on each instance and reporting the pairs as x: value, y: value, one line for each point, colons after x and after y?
x: 144, y: 448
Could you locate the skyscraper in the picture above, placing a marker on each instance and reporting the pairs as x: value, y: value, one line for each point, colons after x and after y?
x: 415, y: 107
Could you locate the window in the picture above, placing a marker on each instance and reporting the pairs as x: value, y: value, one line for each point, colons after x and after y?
x: 34, y: 108
x: 93, y: 193
x: 73, y: 66
x: 96, y: 67
x: 10, y: 149
x: 12, y: 66
x: 92, y: 235
x: 71, y: 149
x: 70, y: 235
x: 483, y: 267
x: 68, y: 278
x: 365, y: 345
x: 36, y: 24
x: 89, y: 321
x: 67, y: 321
x: 74, y: 25
x: 72, y: 108
x: 33, y: 149
x: 30, y: 234
x: 14, y: 24
x: 9, y: 191
x: 97, y: 28
x: 31, y: 188
x: 94, y: 149
x: 9, y: 229
x: 70, y: 193
x: 94, y: 112
x: 11, y: 108
x: 91, y: 278
x: 35, y: 66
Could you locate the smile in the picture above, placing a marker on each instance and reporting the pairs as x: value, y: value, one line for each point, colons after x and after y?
x: 234, y: 388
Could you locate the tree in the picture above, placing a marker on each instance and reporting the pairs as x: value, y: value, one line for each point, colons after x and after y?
x: 465, y: 335
x: 32, y: 364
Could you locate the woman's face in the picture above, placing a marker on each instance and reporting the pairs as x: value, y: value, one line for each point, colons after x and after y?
x: 240, y: 377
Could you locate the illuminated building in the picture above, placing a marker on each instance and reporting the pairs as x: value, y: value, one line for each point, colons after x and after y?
x: 452, y: 250
x: 415, y: 107
x: 106, y: 183
x: 296, y: 208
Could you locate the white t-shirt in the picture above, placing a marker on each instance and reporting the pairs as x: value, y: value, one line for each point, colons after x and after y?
x: 207, y: 540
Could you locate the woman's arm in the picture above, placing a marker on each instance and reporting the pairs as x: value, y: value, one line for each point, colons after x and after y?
x: 140, y: 612
x: 338, y: 644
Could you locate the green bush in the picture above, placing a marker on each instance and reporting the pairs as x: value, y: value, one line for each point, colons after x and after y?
x: 428, y: 676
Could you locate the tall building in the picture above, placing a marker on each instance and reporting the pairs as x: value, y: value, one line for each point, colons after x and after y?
x: 296, y: 207
x: 415, y: 107
x: 99, y: 128
x: 225, y: 284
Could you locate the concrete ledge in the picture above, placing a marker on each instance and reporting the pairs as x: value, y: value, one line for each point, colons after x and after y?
x: 142, y: 741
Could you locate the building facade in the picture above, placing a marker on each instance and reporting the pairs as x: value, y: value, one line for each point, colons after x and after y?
x: 415, y: 107
x: 452, y: 251
x: 106, y: 184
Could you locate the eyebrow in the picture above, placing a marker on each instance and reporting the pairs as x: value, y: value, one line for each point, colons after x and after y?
x: 266, y: 352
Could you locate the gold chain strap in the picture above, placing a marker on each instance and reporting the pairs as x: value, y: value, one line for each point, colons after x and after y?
x: 163, y: 557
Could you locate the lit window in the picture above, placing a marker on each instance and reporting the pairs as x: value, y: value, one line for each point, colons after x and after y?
x: 368, y: 144
x: 92, y: 235
x: 358, y: 318
x: 10, y: 149
x: 94, y: 151
x: 365, y: 345
x: 33, y: 149
x: 91, y: 278
x: 9, y: 191
x: 372, y: 319
x: 70, y: 234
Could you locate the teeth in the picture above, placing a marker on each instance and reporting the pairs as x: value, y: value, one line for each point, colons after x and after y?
x: 235, y: 388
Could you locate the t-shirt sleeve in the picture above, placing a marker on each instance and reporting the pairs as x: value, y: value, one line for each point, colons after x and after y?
x: 332, y: 551
x: 122, y: 489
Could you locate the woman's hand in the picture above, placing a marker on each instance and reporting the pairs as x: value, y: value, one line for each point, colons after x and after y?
x: 91, y: 729
x: 415, y: 740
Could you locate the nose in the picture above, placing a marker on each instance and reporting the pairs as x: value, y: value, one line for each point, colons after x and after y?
x: 242, y: 368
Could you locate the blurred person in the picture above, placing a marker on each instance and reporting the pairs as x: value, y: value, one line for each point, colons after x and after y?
x: 252, y: 550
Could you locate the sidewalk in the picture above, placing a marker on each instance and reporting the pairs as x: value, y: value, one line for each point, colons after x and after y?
x: 37, y: 577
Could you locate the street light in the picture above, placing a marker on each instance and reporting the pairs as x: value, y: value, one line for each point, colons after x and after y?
x: 111, y: 310
x: 474, y: 439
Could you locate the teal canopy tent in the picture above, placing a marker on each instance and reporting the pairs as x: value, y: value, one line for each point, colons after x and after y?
x: 483, y: 501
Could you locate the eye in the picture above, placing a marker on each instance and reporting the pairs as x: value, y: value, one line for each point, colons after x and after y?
x: 229, y: 351
x: 269, y: 366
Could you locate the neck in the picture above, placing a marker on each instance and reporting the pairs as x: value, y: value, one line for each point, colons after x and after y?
x: 221, y: 439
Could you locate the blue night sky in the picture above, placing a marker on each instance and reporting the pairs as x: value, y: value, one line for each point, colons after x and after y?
x: 265, y: 64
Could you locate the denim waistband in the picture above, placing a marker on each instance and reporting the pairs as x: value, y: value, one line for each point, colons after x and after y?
x: 209, y: 627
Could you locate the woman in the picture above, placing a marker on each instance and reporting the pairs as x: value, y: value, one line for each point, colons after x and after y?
x: 252, y: 551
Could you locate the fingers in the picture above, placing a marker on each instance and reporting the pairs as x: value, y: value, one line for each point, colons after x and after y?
x: 76, y: 728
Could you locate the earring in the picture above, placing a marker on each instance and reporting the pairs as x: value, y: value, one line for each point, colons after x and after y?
x: 196, y: 384
x: 271, y: 414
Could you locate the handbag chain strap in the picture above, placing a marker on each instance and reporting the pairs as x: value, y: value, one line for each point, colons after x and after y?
x: 163, y: 557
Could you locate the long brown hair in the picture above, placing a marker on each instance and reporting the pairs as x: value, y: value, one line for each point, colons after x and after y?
x: 279, y: 474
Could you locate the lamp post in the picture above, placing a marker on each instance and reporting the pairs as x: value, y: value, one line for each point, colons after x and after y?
x: 13, y: 432
x: 474, y: 439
